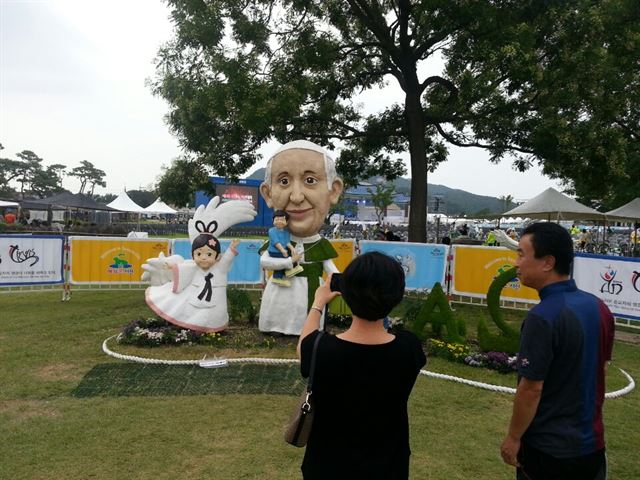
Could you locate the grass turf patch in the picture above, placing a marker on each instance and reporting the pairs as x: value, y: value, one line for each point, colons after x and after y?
x: 132, y: 379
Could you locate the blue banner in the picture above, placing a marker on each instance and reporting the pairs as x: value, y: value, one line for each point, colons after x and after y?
x: 246, y: 266
x: 424, y: 264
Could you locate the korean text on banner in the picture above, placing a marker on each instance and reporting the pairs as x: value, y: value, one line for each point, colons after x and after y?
x: 616, y: 280
x: 475, y: 267
x: 424, y: 264
x: 31, y: 260
x: 112, y: 260
x: 246, y: 265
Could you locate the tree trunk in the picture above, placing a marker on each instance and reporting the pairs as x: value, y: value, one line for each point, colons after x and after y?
x: 416, y: 128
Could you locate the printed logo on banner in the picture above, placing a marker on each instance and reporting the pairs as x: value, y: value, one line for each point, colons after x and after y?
x: 252, y: 247
x: 634, y: 281
x: 407, y: 261
x: 436, y: 252
x: 21, y: 256
x: 343, y: 246
x: 610, y: 285
x: 120, y: 265
x: 515, y: 283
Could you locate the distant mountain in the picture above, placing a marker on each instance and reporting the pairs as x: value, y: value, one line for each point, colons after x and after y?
x: 451, y: 201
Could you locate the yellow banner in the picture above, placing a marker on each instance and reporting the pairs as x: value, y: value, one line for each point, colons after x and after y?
x: 346, y: 253
x: 112, y: 260
x: 474, y: 268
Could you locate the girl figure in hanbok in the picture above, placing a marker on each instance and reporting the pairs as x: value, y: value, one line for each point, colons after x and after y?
x: 193, y: 293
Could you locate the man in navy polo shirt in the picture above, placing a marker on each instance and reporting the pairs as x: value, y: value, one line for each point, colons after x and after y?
x: 556, y: 430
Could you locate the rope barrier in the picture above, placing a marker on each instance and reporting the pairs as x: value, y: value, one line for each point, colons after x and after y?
x: 281, y: 361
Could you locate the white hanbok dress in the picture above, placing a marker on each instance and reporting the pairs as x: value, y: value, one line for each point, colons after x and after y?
x: 196, y: 299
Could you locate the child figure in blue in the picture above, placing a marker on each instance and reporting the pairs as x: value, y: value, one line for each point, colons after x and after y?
x: 279, y: 242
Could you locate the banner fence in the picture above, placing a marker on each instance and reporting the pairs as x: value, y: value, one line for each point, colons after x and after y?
x: 33, y: 263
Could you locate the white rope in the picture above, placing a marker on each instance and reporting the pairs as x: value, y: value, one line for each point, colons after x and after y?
x: 486, y: 386
x: 280, y: 361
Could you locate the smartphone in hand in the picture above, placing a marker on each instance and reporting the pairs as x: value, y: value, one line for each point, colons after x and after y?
x: 336, y: 282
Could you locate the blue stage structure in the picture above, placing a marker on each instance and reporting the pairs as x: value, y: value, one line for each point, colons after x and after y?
x: 243, y: 189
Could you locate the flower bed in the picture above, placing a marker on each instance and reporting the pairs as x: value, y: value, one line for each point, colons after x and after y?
x: 456, y: 352
x: 152, y: 332
x: 461, y: 353
x: 499, y: 361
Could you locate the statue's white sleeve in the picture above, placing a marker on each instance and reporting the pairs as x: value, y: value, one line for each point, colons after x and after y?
x: 183, y: 273
x: 269, y: 263
x: 226, y: 262
x: 329, y: 266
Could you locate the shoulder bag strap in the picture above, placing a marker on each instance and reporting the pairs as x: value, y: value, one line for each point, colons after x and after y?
x: 313, y: 361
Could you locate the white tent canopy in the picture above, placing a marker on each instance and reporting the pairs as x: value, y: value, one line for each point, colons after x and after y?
x: 159, y: 207
x: 4, y: 203
x: 553, y: 205
x: 629, y: 211
x: 125, y: 204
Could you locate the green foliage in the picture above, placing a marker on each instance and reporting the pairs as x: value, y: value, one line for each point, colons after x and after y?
x: 509, y: 339
x: 89, y: 177
x: 240, y: 306
x: 381, y: 198
x: 178, y: 183
x: 551, y: 82
x: 496, y: 343
x: 558, y: 83
x: 435, y: 310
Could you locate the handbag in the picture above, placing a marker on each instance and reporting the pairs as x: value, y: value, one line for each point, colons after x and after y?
x: 299, y: 426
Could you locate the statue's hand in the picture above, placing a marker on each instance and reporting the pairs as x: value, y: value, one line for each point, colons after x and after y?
x: 158, y: 271
x: 504, y: 240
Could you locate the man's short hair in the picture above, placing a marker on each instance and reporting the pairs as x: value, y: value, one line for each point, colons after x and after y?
x: 372, y: 285
x: 552, y: 239
x: 329, y: 164
x: 280, y: 213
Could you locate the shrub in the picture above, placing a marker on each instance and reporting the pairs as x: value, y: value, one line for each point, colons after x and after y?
x: 435, y: 310
x: 240, y: 306
x: 509, y: 338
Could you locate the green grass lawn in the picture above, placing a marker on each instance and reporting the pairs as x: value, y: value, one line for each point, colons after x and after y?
x: 49, y: 431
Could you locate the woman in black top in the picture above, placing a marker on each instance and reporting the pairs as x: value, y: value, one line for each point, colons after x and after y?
x: 363, y: 378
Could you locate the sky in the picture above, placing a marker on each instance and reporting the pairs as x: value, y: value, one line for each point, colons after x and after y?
x: 72, y: 88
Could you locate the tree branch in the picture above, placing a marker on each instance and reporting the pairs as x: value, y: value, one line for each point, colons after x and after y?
x: 453, y: 140
x: 448, y: 84
x: 628, y: 129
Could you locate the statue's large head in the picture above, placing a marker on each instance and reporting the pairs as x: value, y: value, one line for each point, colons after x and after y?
x: 301, y: 179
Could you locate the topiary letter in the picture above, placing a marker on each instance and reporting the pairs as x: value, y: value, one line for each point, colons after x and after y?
x: 509, y: 338
x: 456, y: 329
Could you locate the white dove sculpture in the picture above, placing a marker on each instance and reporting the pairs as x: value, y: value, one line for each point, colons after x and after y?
x: 217, y: 217
x: 505, y: 240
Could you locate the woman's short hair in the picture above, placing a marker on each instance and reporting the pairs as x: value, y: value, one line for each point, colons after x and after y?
x: 372, y: 285
x: 206, y: 240
x: 549, y: 238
